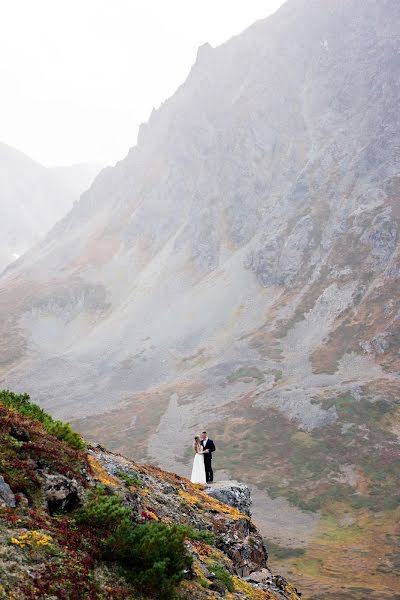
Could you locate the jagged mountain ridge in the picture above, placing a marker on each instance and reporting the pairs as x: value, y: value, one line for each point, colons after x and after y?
x: 34, y: 198
x: 241, y: 261
x: 176, y: 201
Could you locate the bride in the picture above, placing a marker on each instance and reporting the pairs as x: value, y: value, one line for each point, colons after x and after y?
x: 199, y: 470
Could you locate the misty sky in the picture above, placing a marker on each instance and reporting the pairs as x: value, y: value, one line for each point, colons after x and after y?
x: 79, y: 76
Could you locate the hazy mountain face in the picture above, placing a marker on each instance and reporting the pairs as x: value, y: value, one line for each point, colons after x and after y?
x: 33, y: 198
x: 238, y: 271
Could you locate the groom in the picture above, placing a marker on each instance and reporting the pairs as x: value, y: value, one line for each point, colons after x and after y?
x: 209, y: 448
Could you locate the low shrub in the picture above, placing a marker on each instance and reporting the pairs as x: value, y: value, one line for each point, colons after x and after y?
x: 22, y: 404
x: 200, y: 535
x: 129, y: 479
x: 223, y: 576
x: 102, y: 511
x: 154, y: 555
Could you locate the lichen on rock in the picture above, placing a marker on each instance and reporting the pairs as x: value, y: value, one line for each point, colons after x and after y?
x: 233, y: 493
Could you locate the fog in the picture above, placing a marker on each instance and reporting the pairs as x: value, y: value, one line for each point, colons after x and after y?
x: 77, y: 78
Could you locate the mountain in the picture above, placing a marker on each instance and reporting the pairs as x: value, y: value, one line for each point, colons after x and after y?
x: 33, y: 198
x: 77, y: 521
x: 238, y: 272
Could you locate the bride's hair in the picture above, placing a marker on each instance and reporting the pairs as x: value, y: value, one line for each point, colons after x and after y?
x: 196, y: 443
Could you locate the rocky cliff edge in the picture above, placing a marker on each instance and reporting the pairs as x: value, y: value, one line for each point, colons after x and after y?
x: 77, y: 521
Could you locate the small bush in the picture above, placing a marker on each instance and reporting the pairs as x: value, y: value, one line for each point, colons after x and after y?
x: 22, y: 404
x: 103, y: 512
x: 278, y: 374
x: 154, y: 555
x: 129, y: 479
x: 223, y: 576
x: 200, y: 535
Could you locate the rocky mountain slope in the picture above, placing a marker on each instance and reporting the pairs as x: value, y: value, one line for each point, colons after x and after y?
x: 79, y: 522
x: 33, y: 198
x: 238, y: 271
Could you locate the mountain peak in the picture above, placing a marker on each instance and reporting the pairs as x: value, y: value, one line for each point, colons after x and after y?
x: 239, y: 271
x: 203, y: 52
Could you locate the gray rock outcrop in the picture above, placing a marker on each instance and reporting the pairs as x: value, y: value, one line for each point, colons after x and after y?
x: 7, y: 496
x: 62, y: 494
x: 233, y: 493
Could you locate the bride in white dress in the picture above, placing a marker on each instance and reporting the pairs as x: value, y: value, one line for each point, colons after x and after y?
x: 199, y: 470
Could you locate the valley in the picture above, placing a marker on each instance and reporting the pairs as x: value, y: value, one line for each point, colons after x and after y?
x: 238, y: 271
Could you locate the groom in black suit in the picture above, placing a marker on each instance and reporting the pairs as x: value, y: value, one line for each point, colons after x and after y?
x: 209, y: 448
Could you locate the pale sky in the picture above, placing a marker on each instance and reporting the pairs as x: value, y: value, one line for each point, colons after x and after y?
x: 79, y: 76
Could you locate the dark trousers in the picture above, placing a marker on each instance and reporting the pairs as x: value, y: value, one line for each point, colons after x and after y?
x: 209, y: 471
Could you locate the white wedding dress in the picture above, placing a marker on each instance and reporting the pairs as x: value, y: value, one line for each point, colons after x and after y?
x: 199, y: 470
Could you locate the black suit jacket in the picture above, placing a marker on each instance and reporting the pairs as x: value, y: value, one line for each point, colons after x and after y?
x: 209, y: 446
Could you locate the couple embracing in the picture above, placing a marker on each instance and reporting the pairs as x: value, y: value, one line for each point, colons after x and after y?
x: 202, y: 471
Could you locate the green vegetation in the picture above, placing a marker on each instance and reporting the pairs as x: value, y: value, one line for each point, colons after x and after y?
x: 310, y: 566
x: 278, y: 374
x: 223, y: 576
x: 62, y: 431
x: 247, y: 373
x: 365, y: 412
x: 311, y: 464
x: 102, y: 511
x: 200, y: 535
x: 281, y: 552
x: 153, y: 554
x: 30, y: 438
x: 149, y: 558
x: 129, y: 479
x: 203, y: 582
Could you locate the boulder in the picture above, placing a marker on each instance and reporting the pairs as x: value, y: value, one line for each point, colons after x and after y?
x: 233, y: 493
x: 247, y: 556
x: 241, y: 541
x: 6, y: 494
x: 262, y: 576
x: 205, y: 570
x: 62, y: 494
x: 217, y: 586
x: 19, y: 433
